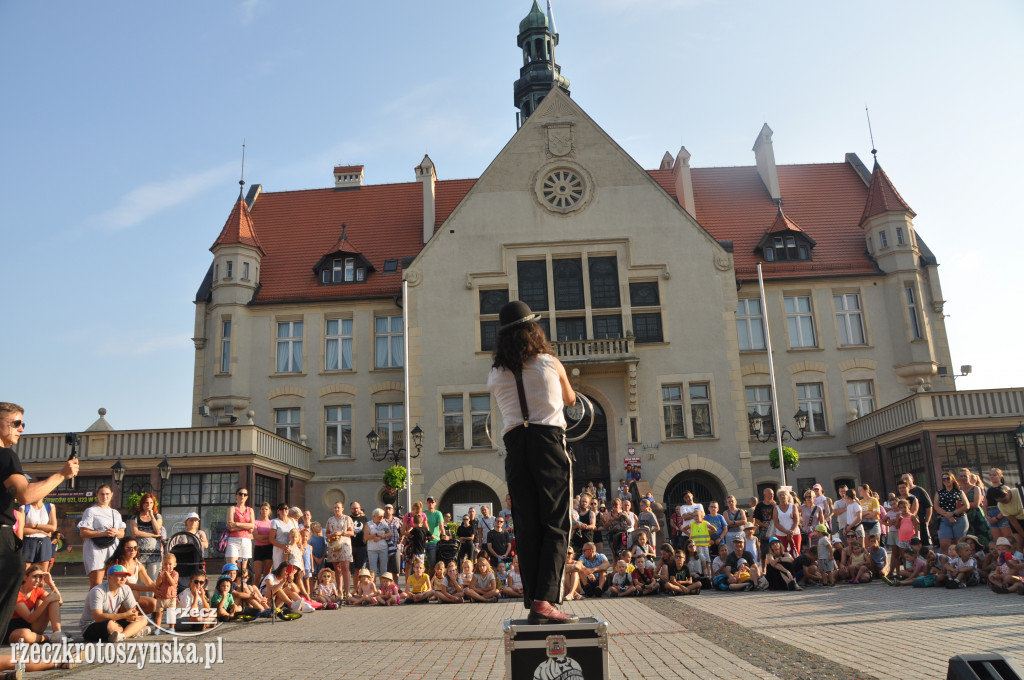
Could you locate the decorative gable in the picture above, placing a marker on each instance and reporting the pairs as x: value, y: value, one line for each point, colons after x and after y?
x: 785, y: 241
x: 343, y: 264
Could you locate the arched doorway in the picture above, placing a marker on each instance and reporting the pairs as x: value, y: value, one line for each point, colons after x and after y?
x: 591, y: 453
x: 704, y: 487
x: 472, y: 493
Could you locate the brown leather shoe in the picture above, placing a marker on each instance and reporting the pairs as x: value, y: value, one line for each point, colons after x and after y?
x: 543, y: 613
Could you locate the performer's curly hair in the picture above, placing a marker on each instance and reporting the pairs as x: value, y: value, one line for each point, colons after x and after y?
x: 515, y: 345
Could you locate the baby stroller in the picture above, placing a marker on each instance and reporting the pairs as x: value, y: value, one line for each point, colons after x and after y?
x: 447, y: 550
x: 185, y: 546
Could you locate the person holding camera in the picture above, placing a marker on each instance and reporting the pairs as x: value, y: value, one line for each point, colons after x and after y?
x: 101, y: 527
x: 17, y: 490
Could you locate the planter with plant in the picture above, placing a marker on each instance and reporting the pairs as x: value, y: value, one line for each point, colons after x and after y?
x: 790, y: 456
x: 396, y: 478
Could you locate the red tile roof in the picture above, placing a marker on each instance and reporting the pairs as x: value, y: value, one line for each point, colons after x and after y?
x: 386, y: 221
x: 825, y: 199
x: 298, y: 227
x: 238, y: 228
x: 783, y: 223
x: 347, y: 168
x: 882, y: 196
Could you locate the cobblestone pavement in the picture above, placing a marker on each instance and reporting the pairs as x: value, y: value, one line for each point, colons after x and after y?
x: 840, y: 633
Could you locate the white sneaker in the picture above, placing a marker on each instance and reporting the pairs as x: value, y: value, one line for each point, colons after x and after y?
x: 116, y: 637
x: 297, y: 605
x: 148, y: 630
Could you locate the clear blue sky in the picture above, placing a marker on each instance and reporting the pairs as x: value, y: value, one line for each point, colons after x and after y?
x: 122, y: 123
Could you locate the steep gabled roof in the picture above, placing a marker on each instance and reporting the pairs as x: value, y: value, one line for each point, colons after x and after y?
x: 384, y: 222
x: 239, y: 228
x: 882, y: 196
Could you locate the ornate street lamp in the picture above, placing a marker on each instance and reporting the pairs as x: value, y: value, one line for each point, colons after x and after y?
x: 757, y: 427
x: 373, y: 440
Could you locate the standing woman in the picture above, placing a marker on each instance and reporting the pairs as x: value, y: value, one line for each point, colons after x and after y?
x: 786, y: 521
x: 101, y: 527
x: 811, y: 515
x: 974, y: 489
x: 262, y: 549
x: 735, y: 518
x: 998, y: 524
x: 339, y: 531
x: 146, y: 528
x: 241, y: 522
x: 871, y: 511
x: 531, y: 389
x: 40, y: 522
x: 951, y: 504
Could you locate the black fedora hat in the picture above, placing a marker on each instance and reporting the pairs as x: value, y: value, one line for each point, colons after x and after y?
x: 515, y: 313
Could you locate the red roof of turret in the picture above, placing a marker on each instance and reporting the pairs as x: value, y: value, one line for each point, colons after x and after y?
x: 882, y: 196
x: 239, y: 228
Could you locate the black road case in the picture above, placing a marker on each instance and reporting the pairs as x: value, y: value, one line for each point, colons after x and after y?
x: 556, y: 651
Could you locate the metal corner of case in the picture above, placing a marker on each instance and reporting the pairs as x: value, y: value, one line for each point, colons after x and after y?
x: 506, y: 628
x: 602, y: 628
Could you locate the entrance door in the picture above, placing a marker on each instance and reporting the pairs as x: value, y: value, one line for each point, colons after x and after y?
x: 591, y: 453
x: 704, y: 487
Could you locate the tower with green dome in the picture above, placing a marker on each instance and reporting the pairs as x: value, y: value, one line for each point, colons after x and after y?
x: 539, y: 72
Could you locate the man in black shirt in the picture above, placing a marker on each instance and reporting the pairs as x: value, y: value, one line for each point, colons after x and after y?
x: 359, y: 540
x: 17, y: 490
x: 498, y: 546
x: 924, y: 507
x: 583, y: 529
x: 732, y: 563
x: 763, y: 514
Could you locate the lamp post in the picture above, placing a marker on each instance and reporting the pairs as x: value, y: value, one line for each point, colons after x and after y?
x: 758, y: 430
x: 165, y: 473
x: 373, y: 440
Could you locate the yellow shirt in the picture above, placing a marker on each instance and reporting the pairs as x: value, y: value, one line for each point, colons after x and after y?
x: 870, y: 504
x: 418, y: 583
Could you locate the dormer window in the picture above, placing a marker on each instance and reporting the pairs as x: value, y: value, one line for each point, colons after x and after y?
x: 390, y: 266
x: 342, y: 270
x: 786, y: 242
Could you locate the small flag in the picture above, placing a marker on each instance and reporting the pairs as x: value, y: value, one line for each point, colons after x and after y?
x: 551, y: 19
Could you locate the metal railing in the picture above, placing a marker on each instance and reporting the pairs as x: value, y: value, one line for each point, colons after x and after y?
x: 178, y: 443
x: 967, y: 404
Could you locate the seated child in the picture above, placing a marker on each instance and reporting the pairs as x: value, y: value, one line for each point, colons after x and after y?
x: 826, y: 558
x: 513, y: 581
x: 417, y: 584
x: 962, y: 570
x: 485, y: 586
x: 389, y: 593
x: 326, y: 591
x: 912, y: 566
x: 223, y: 601
x: 680, y: 581
x: 365, y: 592
x: 451, y: 592
x: 622, y: 581
x: 643, y: 577
x: 805, y: 566
x: 1005, y: 576
x: 879, y: 559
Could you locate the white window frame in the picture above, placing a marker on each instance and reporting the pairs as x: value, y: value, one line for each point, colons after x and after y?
x: 883, y: 239
x: 673, y: 410
x: 913, y: 317
x: 795, y: 322
x: 861, y: 396
x: 389, y: 423
x: 899, y: 236
x: 230, y: 268
x: 288, y: 423
x: 394, y: 353
x: 761, y: 404
x: 292, y: 345
x: 245, y: 271
x: 225, y: 345
x: 698, y: 403
x: 339, y: 424
x: 813, y: 404
x: 849, y: 319
x: 750, y: 326
x: 454, y: 422
x: 336, y: 343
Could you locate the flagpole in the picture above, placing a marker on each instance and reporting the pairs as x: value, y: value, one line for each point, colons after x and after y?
x: 553, y: 32
x: 405, y: 370
x: 771, y: 373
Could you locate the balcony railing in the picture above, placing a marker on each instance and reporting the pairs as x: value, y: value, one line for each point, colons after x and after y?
x: 180, y: 443
x: 931, y: 406
x: 606, y: 349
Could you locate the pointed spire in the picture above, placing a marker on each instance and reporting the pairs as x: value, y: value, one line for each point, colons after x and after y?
x: 239, y: 227
x: 883, y: 197
x: 343, y: 245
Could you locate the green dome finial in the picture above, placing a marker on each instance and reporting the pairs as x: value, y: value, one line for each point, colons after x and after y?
x: 535, y: 19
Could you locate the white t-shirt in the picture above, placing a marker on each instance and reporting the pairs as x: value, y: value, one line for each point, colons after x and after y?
x: 839, y: 507
x: 281, y: 528
x: 102, y: 599
x: 684, y: 509
x: 543, y: 393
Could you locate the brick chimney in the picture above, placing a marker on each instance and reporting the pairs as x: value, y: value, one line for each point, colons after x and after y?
x: 765, y: 156
x: 684, y: 182
x: 425, y: 174
x: 348, y: 176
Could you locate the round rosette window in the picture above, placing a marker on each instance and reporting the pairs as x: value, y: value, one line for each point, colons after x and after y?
x: 563, y: 189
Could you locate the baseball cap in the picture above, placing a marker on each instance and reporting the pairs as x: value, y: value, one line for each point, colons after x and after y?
x: 821, y: 528
x: 1003, y: 540
x: 191, y: 515
x: 739, y: 539
x: 389, y: 506
x: 431, y: 499
x: 117, y: 569
x: 817, y: 486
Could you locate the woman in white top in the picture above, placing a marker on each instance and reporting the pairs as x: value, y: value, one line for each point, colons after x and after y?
x: 786, y: 519
x: 101, y: 527
x: 376, y: 533
x: 531, y: 389
x: 279, y: 529
x: 40, y: 522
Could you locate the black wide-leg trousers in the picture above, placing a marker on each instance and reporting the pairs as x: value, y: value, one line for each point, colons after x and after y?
x: 538, y: 470
x: 12, y: 573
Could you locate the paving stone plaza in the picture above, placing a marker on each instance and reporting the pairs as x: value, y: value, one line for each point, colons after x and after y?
x: 868, y: 631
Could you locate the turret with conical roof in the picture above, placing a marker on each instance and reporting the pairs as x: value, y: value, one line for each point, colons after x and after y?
x: 888, y: 225
x: 539, y: 72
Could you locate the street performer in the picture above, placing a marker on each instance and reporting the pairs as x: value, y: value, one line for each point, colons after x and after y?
x: 531, y: 388
x: 17, y: 489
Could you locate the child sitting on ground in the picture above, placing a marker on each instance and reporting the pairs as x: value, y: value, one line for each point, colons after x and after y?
x: 878, y: 557
x: 826, y: 559
x: 365, y: 592
x: 622, y: 581
x: 680, y: 581
x: 437, y: 580
x: 912, y: 567
x: 166, y: 591
x: 1003, y: 578
x: 466, y: 576
x: 224, y: 601
x: 962, y: 570
x: 451, y: 593
x: 326, y: 592
x: 485, y: 586
x: 500, y: 574
x: 805, y: 566
x: 417, y: 584
x: 513, y: 581
x: 643, y: 577
x: 389, y: 593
